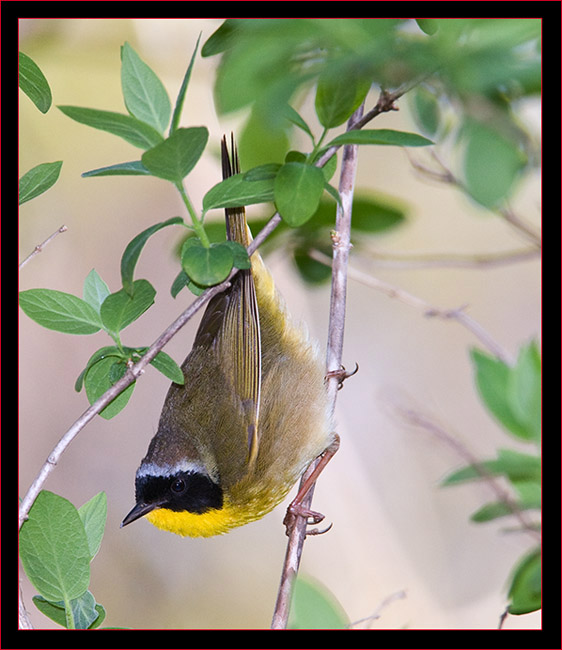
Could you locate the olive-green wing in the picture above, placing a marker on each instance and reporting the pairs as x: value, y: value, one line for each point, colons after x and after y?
x: 231, y: 326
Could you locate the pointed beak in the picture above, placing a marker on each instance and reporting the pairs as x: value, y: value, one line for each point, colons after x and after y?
x: 139, y: 511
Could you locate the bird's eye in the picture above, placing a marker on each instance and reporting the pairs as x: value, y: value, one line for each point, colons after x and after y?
x: 178, y: 486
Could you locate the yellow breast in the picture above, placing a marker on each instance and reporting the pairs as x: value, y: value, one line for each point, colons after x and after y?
x: 212, y: 522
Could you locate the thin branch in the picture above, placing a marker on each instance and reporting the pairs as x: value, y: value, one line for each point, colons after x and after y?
x: 511, y: 218
x: 24, y: 621
x: 341, y: 246
x: 397, y: 260
x: 420, y: 420
x: 398, y: 595
x: 384, y: 104
x: 427, y: 308
x: 41, y: 246
x: 445, y: 175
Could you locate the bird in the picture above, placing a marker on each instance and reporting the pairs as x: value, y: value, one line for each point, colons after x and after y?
x: 252, y: 414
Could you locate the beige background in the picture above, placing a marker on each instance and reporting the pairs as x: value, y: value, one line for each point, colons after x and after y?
x: 394, y: 528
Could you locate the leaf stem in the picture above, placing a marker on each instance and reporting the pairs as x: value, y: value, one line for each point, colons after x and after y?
x: 197, y: 223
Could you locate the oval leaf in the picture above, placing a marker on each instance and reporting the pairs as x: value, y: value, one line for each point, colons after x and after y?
x: 54, y: 548
x: 237, y: 191
x: 100, y: 378
x: 168, y: 367
x: 107, y: 351
x: 206, y: 266
x: 313, y: 606
x: 381, y: 136
x: 298, y: 189
x: 60, y: 311
x: 144, y: 94
x: 491, y: 164
x: 120, y: 308
x: 493, y: 378
x: 38, y: 180
x: 93, y: 514
x: 525, y: 589
x: 33, y: 83
x: 174, y: 158
x: 95, y: 290
x: 127, y: 127
x: 338, y: 93
x: 133, y: 168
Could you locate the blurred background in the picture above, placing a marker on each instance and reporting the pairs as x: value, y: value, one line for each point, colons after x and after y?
x: 394, y: 528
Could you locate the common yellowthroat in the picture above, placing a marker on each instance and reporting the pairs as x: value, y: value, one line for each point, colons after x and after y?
x: 251, y: 416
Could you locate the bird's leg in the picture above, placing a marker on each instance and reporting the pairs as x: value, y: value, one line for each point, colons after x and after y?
x: 296, y: 508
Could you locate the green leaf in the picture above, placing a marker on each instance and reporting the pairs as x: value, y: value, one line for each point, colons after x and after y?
x: 524, y: 389
x: 168, y: 367
x: 180, y: 281
x: 529, y: 499
x: 206, y: 266
x: 236, y: 191
x: 95, y: 290
x: 144, y: 94
x: 134, y: 247
x: 132, y: 168
x: 93, y: 514
x: 127, y: 127
x: 529, y: 494
x: 55, y: 611
x: 239, y: 254
x: 181, y: 95
x: 333, y: 193
x: 371, y: 214
x: 425, y: 109
x: 86, y: 613
x: 60, y: 311
x: 221, y: 39
x: 491, y: 164
x: 120, y: 309
x: 338, y: 93
x: 525, y: 588
x: 314, y: 607
x: 33, y: 83
x: 264, y: 172
x: 38, y: 180
x: 518, y: 466
x: 296, y: 119
x: 54, y: 549
x: 107, y: 351
x: 493, y: 380
x: 515, y: 465
x: 261, y: 142
x: 174, y: 158
x: 298, y: 189
x: 490, y: 511
x: 101, y: 617
x: 258, y: 71
x: 329, y: 168
x: 428, y: 26
x: 310, y: 270
x: 380, y: 136
x: 98, y: 380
